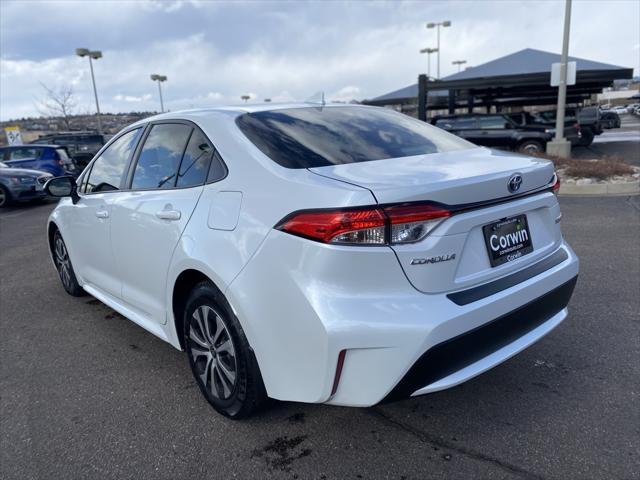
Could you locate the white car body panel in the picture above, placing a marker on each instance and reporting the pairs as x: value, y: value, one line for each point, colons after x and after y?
x: 145, y: 235
x: 302, y: 302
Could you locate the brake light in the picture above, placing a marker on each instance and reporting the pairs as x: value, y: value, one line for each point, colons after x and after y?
x: 555, y: 188
x: 394, y: 224
x: 364, y: 226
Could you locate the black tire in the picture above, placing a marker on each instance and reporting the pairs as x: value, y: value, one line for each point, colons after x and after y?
x: 586, y: 138
x: 64, y: 267
x: 531, y: 147
x: 6, y: 199
x: 222, y: 362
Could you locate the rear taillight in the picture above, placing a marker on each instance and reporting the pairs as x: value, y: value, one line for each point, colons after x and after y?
x: 410, y: 223
x: 555, y: 187
x: 394, y: 224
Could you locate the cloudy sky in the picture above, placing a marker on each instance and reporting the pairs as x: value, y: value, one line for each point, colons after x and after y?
x: 214, y: 52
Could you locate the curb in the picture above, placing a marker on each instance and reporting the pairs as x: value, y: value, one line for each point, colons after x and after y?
x: 629, y: 188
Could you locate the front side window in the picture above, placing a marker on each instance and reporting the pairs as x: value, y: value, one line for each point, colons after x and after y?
x: 465, y: 123
x: 493, y: 122
x: 160, y: 156
x: 322, y: 136
x: 108, y: 169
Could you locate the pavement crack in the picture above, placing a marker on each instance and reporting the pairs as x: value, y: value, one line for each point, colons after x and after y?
x: 426, y: 438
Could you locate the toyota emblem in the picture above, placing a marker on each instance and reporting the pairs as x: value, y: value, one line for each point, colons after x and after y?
x: 514, y: 182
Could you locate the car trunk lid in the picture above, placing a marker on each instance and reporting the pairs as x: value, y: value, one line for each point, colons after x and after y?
x: 474, y: 184
x: 452, y: 178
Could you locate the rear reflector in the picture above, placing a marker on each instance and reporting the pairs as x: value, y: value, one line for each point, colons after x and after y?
x: 556, y: 183
x: 340, y: 364
x: 404, y: 223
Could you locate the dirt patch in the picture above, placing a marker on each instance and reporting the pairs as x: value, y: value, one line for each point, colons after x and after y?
x: 605, y: 168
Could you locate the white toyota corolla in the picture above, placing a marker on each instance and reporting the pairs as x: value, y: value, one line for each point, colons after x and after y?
x: 328, y: 254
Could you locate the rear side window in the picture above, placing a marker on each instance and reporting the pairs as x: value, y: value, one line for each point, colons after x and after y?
x: 24, y: 153
x: 108, y: 169
x: 321, y: 136
x: 160, y: 156
x: 196, y: 161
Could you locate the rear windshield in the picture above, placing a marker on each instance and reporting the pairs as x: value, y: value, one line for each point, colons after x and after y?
x: 321, y: 136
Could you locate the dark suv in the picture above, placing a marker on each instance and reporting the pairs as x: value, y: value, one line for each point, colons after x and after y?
x: 82, y: 146
x: 500, y: 131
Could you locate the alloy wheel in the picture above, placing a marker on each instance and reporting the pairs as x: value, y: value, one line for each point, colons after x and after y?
x: 3, y: 197
x: 213, y: 353
x: 62, y: 262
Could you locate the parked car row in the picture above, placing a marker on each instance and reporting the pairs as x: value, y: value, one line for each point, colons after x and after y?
x: 502, y: 131
x: 82, y: 146
x: 21, y: 184
x: 528, y: 132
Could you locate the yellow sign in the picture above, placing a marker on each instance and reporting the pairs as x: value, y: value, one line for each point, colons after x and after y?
x: 13, y: 135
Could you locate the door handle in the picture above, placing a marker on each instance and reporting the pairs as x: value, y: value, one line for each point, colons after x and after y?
x: 102, y: 214
x: 169, y: 214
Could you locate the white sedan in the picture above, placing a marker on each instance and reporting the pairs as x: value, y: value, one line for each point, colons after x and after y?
x: 317, y: 253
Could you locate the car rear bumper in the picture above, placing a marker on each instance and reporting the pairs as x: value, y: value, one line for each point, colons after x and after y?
x: 388, y: 330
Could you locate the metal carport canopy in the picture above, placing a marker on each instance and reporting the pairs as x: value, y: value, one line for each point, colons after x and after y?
x: 521, y: 78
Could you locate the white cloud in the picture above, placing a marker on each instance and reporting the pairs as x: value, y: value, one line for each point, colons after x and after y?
x: 132, y: 98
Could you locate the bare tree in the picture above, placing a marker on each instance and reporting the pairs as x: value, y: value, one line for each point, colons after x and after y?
x: 58, y: 103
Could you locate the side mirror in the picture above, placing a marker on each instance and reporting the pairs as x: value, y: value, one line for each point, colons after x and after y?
x: 62, y: 187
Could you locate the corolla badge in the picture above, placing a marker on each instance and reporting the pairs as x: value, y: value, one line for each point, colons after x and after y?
x: 515, y: 182
x: 437, y: 259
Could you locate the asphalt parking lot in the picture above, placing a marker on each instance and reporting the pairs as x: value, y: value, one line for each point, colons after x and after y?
x: 88, y: 394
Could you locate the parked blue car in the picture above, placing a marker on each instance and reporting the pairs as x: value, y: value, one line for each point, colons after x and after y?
x: 46, y: 158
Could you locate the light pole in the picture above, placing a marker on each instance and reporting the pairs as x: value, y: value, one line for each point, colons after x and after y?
x: 245, y: 98
x: 437, y: 25
x: 95, y: 55
x: 428, y: 51
x: 159, y: 78
x: 459, y: 63
x: 560, y: 146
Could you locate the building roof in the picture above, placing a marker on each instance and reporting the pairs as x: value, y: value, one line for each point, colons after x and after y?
x: 527, y: 63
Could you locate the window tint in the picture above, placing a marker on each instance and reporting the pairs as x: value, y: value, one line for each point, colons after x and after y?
x: 320, y: 136
x: 495, y: 122
x: 160, y: 156
x: 24, y: 153
x: 106, y: 172
x: 196, y: 160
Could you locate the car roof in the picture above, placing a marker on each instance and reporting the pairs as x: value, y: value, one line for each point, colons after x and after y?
x: 31, y: 145
x: 237, y: 110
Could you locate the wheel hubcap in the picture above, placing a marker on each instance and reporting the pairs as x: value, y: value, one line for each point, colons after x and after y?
x: 2, y: 197
x: 213, y: 352
x: 62, y: 261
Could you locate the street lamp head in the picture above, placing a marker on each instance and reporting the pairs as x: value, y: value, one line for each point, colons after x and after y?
x: 96, y: 54
x: 159, y: 78
x: 82, y: 52
x: 446, y: 23
x: 431, y: 25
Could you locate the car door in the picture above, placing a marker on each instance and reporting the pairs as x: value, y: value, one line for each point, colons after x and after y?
x: 467, y: 128
x: 496, y: 130
x: 88, y: 225
x: 166, y: 182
